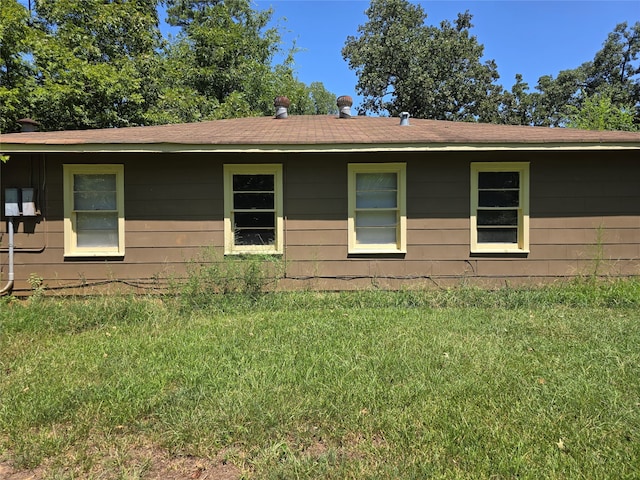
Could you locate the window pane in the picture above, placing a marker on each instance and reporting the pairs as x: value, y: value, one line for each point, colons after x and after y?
x: 253, y: 200
x: 94, y: 192
x: 497, y: 217
x: 377, y: 199
x: 384, y: 218
x: 501, y: 207
x: 255, y: 237
x: 497, y: 235
x: 372, y: 236
x: 489, y: 198
x: 95, y: 201
x: 253, y: 183
x: 498, y: 180
x: 254, y: 219
x: 97, y: 229
x: 251, y: 208
x: 376, y: 190
x: 376, y: 181
x: 91, y: 182
x: 97, y: 221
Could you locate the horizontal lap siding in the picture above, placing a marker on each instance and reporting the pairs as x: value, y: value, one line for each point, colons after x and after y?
x: 316, y: 207
x: 585, y: 214
x: 316, y: 223
x: 582, y: 216
x: 173, y: 208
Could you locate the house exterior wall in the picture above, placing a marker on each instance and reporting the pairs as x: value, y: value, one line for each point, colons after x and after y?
x: 584, y: 219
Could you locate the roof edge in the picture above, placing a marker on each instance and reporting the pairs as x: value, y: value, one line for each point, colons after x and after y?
x: 8, y: 148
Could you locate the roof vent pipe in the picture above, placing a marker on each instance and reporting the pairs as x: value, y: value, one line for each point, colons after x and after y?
x: 28, y: 125
x: 281, y: 104
x: 404, y: 119
x: 344, y: 103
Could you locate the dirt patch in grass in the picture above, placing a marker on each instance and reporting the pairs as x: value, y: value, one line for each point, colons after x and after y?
x: 316, y: 449
x: 162, y: 466
x: 145, y: 463
x: 8, y: 473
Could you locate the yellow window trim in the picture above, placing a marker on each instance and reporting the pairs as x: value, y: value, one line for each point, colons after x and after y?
x: 523, y: 211
x: 400, y: 246
x: 230, y: 248
x: 71, y: 248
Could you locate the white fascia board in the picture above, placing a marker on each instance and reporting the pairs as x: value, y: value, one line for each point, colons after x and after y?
x: 315, y: 148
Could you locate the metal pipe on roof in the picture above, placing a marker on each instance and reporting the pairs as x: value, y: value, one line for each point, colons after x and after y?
x: 282, y: 104
x: 344, y: 104
x: 28, y: 125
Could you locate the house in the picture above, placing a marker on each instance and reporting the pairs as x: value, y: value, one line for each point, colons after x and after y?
x: 344, y: 202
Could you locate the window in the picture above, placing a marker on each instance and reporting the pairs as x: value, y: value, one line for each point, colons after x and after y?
x: 253, y: 209
x: 377, y: 218
x: 93, y: 210
x: 500, y: 207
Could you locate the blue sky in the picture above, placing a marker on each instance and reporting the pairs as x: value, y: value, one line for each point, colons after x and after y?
x: 531, y: 37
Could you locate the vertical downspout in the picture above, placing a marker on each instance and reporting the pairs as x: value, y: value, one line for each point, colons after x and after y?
x: 9, y: 286
x: 26, y: 125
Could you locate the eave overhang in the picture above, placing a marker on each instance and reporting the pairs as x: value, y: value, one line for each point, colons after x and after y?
x: 321, y: 133
x: 9, y: 148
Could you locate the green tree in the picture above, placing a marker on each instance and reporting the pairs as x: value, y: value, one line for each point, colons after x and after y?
x: 613, y: 74
x: 312, y: 99
x: 103, y: 63
x: 177, y: 101
x: 324, y: 102
x: 432, y: 72
x: 93, y: 61
x: 598, y: 112
x: 616, y: 68
x: 221, y: 65
x: 516, y: 106
x: 224, y: 48
x: 556, y: 97
x: 16, y: 73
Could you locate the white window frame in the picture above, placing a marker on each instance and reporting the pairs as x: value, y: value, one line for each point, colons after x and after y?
x: 522, y: 244
x: 230, y: 247
x: 400, y: 246
x: 71, y: 248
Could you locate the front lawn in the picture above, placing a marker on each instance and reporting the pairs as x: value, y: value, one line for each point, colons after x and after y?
x: 455, y: 384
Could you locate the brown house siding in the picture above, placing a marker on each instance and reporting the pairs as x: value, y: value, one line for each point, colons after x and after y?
x: 584, y: 219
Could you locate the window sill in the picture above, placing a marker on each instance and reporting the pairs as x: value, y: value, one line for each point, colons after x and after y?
x: 76, y: 255
x: 499, y: 251
x: 239, y: 253
x: 376, y: 251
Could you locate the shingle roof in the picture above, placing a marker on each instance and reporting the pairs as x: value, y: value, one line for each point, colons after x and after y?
x: 316, y: 133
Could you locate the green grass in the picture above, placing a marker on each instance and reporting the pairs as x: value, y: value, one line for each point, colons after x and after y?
x: 463, y: 383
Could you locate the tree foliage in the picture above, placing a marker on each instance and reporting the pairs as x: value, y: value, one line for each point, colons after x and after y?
x: 436, y: 72
x: 516, y: 107
x: 608, y: 83
x: 16, y: 72
x: 433, y: 72
x: 85, y: 62
x: 104, y: 63
x: 598, y: 112
x: 223, y: 46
